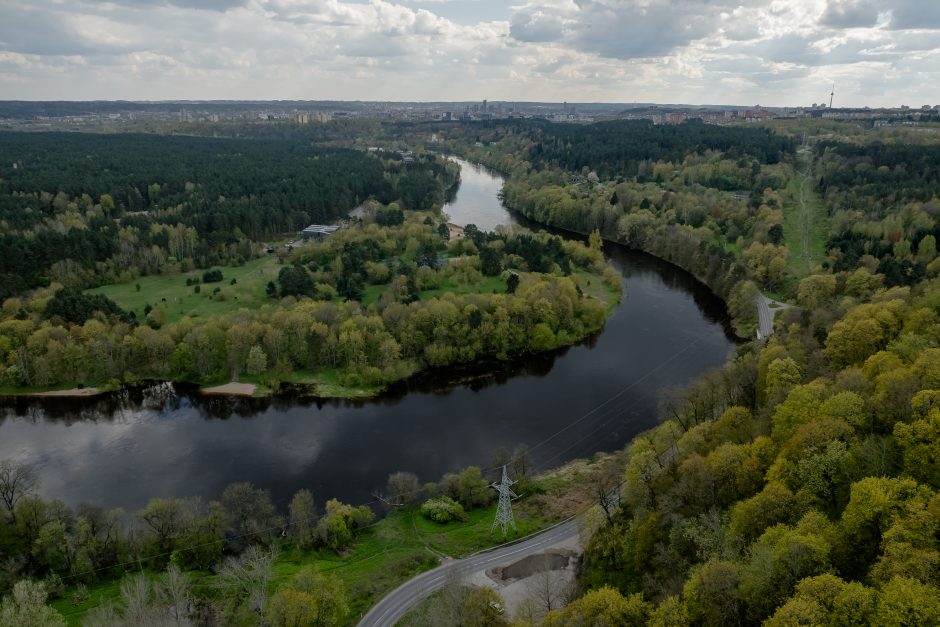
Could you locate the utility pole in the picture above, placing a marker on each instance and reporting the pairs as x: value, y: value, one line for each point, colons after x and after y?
x: 504, y: 516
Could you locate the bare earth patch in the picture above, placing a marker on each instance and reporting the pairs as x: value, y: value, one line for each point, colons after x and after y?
x: 550, y: 581
x: 455, y: 231
x: 231, y: 389
x: 72, y: 393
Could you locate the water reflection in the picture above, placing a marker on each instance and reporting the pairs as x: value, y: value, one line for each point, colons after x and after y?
x: 122, y: 449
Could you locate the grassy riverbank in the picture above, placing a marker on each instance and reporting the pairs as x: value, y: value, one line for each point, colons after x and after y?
x: 389, y: 552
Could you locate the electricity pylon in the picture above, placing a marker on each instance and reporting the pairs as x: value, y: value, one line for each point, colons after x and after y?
x: 504, y: 517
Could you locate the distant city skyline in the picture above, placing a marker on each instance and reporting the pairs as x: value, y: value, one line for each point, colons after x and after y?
x: 718, y: 52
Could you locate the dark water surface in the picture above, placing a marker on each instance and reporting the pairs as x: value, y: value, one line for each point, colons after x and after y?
x: 166, y: 441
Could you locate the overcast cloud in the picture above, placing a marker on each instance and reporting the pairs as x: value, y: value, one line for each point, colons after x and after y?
x: 770, y: 52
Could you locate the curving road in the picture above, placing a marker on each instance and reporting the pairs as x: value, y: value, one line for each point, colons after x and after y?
x: 766, y: 309
x: 397, y: 603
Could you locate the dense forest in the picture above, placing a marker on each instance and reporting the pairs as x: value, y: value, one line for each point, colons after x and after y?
x: 618, y: 148
x: 884, y: 203
x: 798, y: 484
x: 84, y: 208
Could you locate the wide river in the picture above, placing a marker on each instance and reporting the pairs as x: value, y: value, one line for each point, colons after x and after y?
x: 124, y: 449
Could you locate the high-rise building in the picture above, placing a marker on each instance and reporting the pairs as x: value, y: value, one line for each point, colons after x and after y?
x: 484, y: 105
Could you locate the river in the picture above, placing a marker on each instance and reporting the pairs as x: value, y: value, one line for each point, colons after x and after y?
x: 123, y: 449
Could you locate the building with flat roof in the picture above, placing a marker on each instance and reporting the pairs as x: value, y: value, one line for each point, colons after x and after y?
x: 318, y: 231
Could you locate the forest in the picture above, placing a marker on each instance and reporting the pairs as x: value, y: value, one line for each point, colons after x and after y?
x: 797, y: 485
x: 617, y: 148
x: 83, y: 209
x: 885, y: 207
x: 679, y: 210
x: 370, y: 305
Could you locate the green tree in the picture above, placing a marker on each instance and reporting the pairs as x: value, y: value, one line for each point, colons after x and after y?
x: 873, y: 505
x: 920, y: 443
x: 512, y: 283
x: 257, y: 362
x: 341, y: 522
x: 491, y: 261
x: 781, y: 557
x: 251, y: 514
x: 815, y: 290
x: 907, y: 602
x: 168, y: 520
x: 26, y: 607
x: 604, y: 606
x: 295, y: 281
x: 595, y: 241
x: 309, y: 599
x: 712, y: 596
x: 302, y: 517
x: 826, y: 600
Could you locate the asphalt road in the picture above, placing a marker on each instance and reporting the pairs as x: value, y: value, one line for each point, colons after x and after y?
x: 765, y: 315
x: 397, y: 603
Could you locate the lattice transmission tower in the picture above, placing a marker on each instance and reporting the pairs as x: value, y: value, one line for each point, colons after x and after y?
x: 504, y: 516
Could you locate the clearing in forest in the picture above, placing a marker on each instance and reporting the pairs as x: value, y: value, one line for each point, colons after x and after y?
x: 170, y: 292
x: 804, y: 222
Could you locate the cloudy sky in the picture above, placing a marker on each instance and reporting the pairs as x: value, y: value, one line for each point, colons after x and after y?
x: 770, y: 52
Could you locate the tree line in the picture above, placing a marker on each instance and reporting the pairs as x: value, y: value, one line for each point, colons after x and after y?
x: 49, y: 548
x: 60, y: 336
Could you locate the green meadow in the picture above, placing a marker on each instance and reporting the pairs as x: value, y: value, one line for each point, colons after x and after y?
x: 178, y: 299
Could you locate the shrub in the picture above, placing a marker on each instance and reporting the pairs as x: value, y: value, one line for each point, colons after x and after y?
x: 211, y: 276
x: 442, y: 509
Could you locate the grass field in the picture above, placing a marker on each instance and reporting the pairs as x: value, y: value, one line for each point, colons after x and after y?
x: 248, y: 292
x: 804, y: 225
x: 329, y: 383
x: 593, y: 286
x: 179, y: 299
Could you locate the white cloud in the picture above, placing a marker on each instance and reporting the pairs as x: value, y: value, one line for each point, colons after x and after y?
x: 734, y: 51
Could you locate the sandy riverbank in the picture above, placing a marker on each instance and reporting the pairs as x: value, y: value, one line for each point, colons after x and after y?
x: 231, y: 389
x: 70, y: 393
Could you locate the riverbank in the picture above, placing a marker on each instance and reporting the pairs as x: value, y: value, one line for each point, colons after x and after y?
x: 739, y: 329
x: 396, y: 548
x: 335, y: 383
x: 724, y: 271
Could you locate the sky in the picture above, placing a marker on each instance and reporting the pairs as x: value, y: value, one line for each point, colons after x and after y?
x: 767, y: 52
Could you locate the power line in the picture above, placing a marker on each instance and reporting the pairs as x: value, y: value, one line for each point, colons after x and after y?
x: 376, y: 501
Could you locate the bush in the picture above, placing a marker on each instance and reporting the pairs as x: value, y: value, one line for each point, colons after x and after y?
x: 390, y: 216
x: 443, y: 509
x: 211, y: 276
